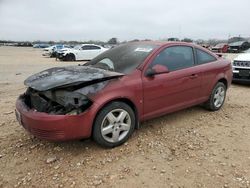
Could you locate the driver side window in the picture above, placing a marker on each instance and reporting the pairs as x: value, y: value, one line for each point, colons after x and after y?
x: 175, y: 58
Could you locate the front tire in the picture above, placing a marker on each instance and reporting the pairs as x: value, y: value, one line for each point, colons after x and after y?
x: 114, y: 124
x: 217, y: 97
x: 70, y: 57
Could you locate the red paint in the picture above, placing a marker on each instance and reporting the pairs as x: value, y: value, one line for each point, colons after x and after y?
x: 151, y: 96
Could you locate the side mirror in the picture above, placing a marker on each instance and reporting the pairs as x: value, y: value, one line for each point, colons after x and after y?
x: 150, y: 72
x: 156, y: 69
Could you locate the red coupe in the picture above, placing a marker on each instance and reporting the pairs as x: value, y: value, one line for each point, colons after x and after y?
x: 108, y: 97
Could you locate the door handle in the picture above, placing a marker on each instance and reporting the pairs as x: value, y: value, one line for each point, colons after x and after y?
x: 193, y: 76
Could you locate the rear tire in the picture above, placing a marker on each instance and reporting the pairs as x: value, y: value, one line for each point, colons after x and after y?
x: 217, y: 97
x: 114, y: 124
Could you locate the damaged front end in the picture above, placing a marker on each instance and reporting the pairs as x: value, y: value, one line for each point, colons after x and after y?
x: 65, y: 90
x: 56, y: 102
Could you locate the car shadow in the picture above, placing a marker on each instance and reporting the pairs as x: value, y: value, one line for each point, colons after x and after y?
x: 244, y: 84
x: 86, y: 146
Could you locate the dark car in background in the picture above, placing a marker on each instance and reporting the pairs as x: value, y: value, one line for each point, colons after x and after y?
x: 237, y: 47
x: 108, y: 97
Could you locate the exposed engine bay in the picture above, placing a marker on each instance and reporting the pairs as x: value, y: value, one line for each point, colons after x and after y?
x: 59, y: 102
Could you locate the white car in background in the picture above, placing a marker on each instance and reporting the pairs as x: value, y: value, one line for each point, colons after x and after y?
x: 81, y: 52
x: 241, y: 67
x: 47, y: 51
x: 50, y: 51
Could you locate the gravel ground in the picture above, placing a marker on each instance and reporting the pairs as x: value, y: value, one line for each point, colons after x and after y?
x: 189, y: 148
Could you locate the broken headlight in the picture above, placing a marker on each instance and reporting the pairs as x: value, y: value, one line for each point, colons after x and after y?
x: 58, y: 102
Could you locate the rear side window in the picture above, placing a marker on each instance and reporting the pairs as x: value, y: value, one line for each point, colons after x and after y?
x: 175, y: 58
x: 204, y: 57
x: 87, y: 47
x: 90, y: 47
x: 95, y: 48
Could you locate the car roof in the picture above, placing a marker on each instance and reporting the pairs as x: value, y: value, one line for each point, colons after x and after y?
x: 164, y: 43
x: 89, y: 44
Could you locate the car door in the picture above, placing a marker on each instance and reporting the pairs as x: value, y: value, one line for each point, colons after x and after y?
x: 95, y: 51
x: 177, y: 89
x: 89, y: 52
x: 85, y: 52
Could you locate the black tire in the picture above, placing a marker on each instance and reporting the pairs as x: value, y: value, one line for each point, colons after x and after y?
x: 70, y: 57
x: 102, y: 117
x: 210, y: 104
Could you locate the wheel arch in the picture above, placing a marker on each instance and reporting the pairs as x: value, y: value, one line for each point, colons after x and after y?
x: 72, y: 53
x: 224, y: 81
x: 124, y: 100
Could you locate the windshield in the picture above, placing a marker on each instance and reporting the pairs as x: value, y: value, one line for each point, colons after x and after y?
x: 124, y: 58
x: 77, y: 47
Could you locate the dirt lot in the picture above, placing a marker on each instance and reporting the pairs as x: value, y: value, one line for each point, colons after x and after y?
x: 190, y: 148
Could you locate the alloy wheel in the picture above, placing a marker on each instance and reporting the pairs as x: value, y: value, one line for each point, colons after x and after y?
x: 219, y: 97
x: 116, y: 125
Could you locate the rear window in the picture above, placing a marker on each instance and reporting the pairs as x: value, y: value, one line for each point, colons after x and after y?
x: 204, y: 57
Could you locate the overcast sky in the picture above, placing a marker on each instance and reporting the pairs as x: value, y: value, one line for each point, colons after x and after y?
x: 124, y: 19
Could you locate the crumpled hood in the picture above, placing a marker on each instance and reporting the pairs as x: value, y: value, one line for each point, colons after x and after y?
x: 68, y: 76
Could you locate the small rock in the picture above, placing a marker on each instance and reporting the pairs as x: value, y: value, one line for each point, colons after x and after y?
x: 7, y: 113
x: 136, y: 174
x: 226, y: 186
x: 220, y: 174
x: 127, y: 170
x: 239, y: 179
x: 154, y: 168
x: 1, y: 156
x: 97, y: 182
x: 163, y: 171
x: 57, y: 148
x: 56, y: 167
x: 170, y: 159
x: 51, y: 160
x: 32, y: 147
x: 109, y: 160
x: 18, y: 73
x: 223, y: 164
x: 73, y: 184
